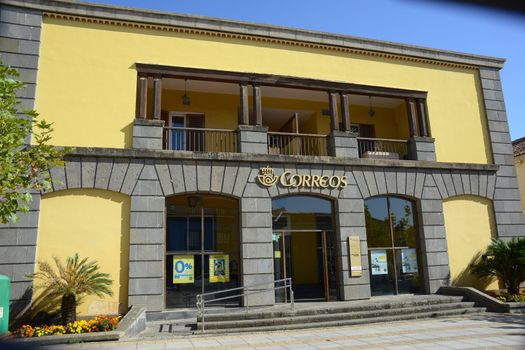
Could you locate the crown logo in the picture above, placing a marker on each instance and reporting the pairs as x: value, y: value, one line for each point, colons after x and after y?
x: 266, y: 176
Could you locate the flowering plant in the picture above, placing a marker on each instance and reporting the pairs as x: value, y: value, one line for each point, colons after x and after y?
x: 98, y: 324
x: 518, y: 297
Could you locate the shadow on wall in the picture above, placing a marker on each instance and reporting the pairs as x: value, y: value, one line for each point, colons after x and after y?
x: 466, y: 279
x: 45, y: 308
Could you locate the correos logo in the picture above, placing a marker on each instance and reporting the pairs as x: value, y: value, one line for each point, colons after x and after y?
x: 267, y: 178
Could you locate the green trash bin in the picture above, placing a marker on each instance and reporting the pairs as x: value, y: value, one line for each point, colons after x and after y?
x: 4, y: 303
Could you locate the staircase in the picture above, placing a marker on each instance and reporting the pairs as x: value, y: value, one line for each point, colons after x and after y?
x: 313, y: 315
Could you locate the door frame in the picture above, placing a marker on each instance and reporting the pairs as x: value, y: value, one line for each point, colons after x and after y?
x: 325, y: 258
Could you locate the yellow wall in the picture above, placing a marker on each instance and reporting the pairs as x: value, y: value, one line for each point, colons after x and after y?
x: 469, y: 223
x: 95, y: 224
x: 87, y: 87
x: 519, y: 161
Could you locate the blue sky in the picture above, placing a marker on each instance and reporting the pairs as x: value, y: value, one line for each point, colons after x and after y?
x: 418, y: 22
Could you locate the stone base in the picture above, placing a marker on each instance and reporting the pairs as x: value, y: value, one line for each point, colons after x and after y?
x: 422, y: 148
x: 343, y: 144
x: 253, y: 139
x: 147, y: 133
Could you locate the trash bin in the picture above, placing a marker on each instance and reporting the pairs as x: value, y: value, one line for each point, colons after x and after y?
x: 4, y: 303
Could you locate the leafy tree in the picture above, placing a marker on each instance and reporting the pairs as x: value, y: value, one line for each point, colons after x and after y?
x: 73, y: 281
x: 504, y: 260
x: 22, y: 167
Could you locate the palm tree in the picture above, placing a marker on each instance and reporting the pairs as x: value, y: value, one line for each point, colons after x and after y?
x: 505, y: 260
x: 74, y: 280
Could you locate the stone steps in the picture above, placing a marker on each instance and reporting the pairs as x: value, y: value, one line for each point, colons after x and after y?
x: 346, y: 314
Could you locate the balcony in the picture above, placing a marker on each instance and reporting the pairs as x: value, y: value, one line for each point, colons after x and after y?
x: 297, y: 144
x: 200, y: 140
x: 382, y: 148
x: 214, y: 111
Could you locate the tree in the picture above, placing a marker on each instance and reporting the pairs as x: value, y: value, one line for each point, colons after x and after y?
x: 22, y: 167
x: 74, y: 280
x: 504, y: 260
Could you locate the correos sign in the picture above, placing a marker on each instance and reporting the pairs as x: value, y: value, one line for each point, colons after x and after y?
x: 267, y: 178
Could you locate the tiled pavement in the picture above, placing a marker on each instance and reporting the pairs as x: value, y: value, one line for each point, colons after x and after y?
x: 486, y: 331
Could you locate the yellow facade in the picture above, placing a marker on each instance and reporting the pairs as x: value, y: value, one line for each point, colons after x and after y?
x: 470, y: 226
x: 97, y: 64
x: 94, y: 224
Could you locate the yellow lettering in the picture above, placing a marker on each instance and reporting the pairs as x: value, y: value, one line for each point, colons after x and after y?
x: 282, y: 179
x: 323, y: 181
x: 344, y: 181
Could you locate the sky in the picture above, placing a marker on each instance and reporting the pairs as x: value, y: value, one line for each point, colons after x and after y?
x: 435, y: 24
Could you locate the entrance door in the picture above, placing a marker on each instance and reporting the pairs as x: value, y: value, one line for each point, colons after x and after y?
x: 308, y: 258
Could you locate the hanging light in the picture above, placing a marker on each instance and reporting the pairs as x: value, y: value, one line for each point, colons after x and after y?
x: 185, y: 98
x: 371, y: 111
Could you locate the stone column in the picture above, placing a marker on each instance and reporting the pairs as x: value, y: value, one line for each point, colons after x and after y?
x: 147, y: 241
x: 422, y: 148
x: 350, y: 221
x: 252, y: 139
x: 343, y: 144
x: 257, y: 244
x: 147, y: 133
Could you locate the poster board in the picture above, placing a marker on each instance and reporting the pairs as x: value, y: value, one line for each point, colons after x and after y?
x: 378, y: 262
x: 354, y: 256
x: 183, y: 271
x: 409, y: 260
x: 219, y: 268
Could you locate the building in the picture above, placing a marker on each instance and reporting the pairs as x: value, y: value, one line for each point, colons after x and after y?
x: 254, y: 153
x: 519, y: 156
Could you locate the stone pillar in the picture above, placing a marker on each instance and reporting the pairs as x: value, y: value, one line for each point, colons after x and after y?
x: 17, y: 255
x: 343, y: 144
x: 252, y: 139
x: 507, y: 203
x: 422, y: 148
x: 147, y: 241
x: 257, y: 245
x: 147, y: 133
x: 350, y: 221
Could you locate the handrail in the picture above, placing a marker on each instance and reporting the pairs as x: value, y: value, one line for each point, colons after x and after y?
x: 294, y: 134
x: 201, y: 301
x: 196, y: 129
x: 377, y: 139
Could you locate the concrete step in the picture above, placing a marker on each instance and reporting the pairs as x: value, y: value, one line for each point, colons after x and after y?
x: 333, y: 316
x: 357, y: 306
x: 347, y: 322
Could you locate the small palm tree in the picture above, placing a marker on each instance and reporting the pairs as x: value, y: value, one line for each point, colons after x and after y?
x: 74, y: 280
x: 504, y: 260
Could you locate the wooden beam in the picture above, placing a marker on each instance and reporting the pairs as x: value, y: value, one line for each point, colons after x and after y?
x: 245, y: 114
x: 345, y: 112
x: 257, y: 104
x: 143, y: 96
x: 157, y: 95
x: 332, y: 102
x: 422, y: 116
x: 411, y: 113
x: 275, y: 80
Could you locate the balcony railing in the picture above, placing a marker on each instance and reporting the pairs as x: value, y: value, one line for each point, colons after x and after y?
x: 382, y: 148
x: 200, y: 140
x: 297, y: 144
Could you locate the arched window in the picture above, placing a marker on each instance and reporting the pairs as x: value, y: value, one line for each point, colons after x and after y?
x: 393, y: 252
x: 202, y: 247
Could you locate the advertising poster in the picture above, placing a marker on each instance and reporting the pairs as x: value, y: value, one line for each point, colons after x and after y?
x: 183, y: 269
x: 378, y: 262
x: 219, y: 268
x: 409, y: 260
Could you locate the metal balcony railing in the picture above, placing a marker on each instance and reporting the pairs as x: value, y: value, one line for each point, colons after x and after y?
x: 297, y: 144
x: 382, y: 148
x: 200, y: 140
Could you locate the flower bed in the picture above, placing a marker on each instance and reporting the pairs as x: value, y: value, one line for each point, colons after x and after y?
x: 98, y: 324
x: 512, y: 298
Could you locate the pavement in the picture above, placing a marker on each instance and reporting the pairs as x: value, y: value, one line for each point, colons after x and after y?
x: 484, y: 331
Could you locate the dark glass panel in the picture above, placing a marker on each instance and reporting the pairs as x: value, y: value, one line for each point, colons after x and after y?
x: 402, y: 214
x: 377, y: 223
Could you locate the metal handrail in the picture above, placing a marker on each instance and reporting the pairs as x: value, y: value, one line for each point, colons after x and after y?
x: 201, y: 301
x: 196, y: 129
